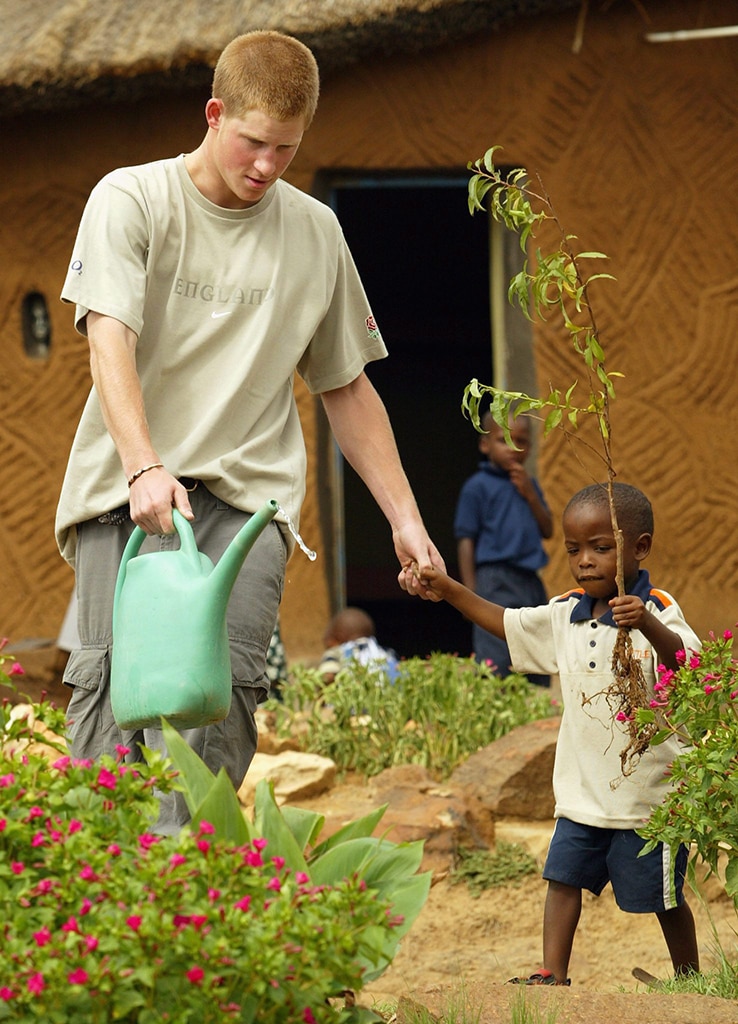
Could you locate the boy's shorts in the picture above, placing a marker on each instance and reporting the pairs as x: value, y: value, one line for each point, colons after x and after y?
x: 586, y: 857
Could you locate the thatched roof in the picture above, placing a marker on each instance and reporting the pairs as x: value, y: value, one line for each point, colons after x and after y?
x: 60, y: 52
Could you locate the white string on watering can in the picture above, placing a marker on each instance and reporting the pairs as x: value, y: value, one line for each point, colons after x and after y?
x: 312, y: 555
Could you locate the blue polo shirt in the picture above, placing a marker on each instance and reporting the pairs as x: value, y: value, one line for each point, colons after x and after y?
x: 493, y: 513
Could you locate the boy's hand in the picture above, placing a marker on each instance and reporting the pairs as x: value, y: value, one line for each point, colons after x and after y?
x: 433, y: 579
x: 628, y: 611
x: 521, y: 479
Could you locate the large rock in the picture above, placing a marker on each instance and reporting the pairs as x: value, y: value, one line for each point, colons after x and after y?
x: 295, y: 776
x: 513, y: 776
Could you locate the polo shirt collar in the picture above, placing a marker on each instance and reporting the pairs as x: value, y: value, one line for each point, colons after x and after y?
x: 582, y: 610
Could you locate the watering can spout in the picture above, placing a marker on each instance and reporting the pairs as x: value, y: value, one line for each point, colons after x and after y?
x: 171, y: 656
x: 229, y: 565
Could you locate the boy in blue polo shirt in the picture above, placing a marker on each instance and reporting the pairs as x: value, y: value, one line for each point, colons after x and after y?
x: 501, y: 519
x: 597, y: 808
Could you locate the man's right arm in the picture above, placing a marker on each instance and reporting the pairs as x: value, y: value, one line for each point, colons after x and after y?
x: 114, y: 374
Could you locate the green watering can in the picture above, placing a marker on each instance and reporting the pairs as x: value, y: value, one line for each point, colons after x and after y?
x: 170, y: 640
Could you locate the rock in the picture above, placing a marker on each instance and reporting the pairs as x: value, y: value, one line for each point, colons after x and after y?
x: 295, y: 776
x: 513, y: 776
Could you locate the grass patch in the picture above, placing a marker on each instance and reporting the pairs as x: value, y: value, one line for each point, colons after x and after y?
x: 507, y: 864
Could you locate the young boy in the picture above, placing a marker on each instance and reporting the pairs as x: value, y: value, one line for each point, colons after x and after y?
x: 501, y: 519
x: 597, y: 808
x: 350, y: 636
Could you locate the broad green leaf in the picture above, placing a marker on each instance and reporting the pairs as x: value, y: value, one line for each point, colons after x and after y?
x: 304, y: 825
x: 195, y: 775
x: 270, y: 824
x: 222, y: 809
x: 362, y: 827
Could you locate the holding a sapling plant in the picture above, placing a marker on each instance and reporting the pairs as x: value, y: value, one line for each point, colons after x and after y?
x: 595, y: 839
x: 605, y: 638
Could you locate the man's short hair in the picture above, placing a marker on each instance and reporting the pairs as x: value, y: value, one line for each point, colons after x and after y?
x: 632, y: 507
x: 270, y: 72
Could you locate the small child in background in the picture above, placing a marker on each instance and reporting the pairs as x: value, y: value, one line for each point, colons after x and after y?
x: 350, y: 636
x: 501, y: 520
x: 598, y: 809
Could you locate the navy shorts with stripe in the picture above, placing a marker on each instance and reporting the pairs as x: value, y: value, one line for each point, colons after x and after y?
x: 586, y: 857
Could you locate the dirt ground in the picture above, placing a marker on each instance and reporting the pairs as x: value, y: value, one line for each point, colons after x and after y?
x: 462, y: 950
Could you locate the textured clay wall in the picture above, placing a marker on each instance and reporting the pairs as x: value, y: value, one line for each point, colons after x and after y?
x: 636, y: 145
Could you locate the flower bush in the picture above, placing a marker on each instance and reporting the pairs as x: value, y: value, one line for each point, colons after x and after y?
x: 699, y: 704
x: 103, y: 920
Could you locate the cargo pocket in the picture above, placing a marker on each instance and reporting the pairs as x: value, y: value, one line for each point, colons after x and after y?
x: 248, y: 667
x: 88, y: 668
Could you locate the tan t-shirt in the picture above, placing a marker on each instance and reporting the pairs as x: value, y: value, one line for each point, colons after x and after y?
x: 226, y: 305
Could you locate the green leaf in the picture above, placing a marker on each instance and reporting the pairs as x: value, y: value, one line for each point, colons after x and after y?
x: 304, y: 825
x: 360, y: 828
x: 195, y: 774
x: 221, y: 808
x: 269, y: 823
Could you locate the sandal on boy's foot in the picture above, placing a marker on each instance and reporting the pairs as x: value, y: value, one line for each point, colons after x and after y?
x: 542, y: 977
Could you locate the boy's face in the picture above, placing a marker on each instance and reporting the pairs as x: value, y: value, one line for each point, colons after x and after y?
x: 590, y: 545
x: 492, y: 444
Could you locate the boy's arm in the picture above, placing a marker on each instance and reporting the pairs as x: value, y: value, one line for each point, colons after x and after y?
x: 631, y: 612
x: 467, y: 567
x: 524, y: 484
x: 484, y: 613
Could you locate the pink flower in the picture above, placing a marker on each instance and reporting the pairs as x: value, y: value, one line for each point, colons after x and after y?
x: 74, y: 826
x: 6, y: 994
x: 121, y: 751
x: 710, y: 689
x: 146, y: 841
x: 70, y: 925
x: 36, y: 983
x: 7, y: 780
x: 243, y: 904
x: 17, y: 867
x: 87, y: 874
x: 181, y: 920
x: 45, y: 885
x: 38, y: 840
x: 206, y: 829
x: 301, y: 878
x: 734, y: 694
x: 35, y: 812
x: 308, y: 1016
x: 79, y: 977
x: 213, y: 895
x: 694, y: 661
x: 176, y: 859
x: 680, y: 657
x: 259, y: 844
x: 107, y: 779
x: 113, y: 850
x: 195, y: 975
x: 62, y: 763
x: 85, y: 908
x: 253, y: 859
x: 274, y: 884
x: 42, y: 937
x: 134, y: 922
x: 16, y: 669
x: 91, y: 942
x: 203, y: 845
x: 278, y: 863
x: 728, y: 635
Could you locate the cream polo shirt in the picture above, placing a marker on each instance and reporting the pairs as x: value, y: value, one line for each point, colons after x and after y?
x: 226, y: 304
x: 563, y: 637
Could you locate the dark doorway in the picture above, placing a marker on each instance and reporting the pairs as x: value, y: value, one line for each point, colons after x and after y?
x: 424, y: 261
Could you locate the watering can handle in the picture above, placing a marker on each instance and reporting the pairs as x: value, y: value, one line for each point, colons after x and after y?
x: 187, y: 542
